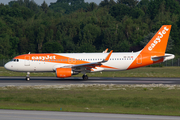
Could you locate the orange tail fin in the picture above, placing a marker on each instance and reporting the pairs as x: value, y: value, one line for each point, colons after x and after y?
x: 159, y: 42
x: 154, y: 51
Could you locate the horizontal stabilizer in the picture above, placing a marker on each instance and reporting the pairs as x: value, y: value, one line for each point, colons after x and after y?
x: 156, y: 58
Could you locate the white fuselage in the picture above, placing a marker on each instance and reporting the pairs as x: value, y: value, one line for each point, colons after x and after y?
x: 118, y: 61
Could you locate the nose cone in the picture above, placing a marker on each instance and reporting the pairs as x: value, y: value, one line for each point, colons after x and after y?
x: 7, y: 66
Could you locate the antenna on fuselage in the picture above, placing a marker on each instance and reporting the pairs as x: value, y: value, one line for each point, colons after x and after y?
x: 29, y: 53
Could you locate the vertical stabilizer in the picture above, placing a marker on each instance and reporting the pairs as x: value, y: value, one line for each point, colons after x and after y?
x: 154, y: 51
x: 159, y: 42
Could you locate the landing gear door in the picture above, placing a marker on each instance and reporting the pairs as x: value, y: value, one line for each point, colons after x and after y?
x: 27, y: 61
x: 139, y: 59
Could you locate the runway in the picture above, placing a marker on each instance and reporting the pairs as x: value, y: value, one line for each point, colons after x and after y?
x: 49, y: 115
x: 17, y: 81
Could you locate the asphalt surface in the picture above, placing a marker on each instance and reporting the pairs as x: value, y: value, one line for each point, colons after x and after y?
x: 49, y: 115
x: 17, y: 81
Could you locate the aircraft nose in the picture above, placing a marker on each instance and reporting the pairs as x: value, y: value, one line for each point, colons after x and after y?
x: 7, y: 66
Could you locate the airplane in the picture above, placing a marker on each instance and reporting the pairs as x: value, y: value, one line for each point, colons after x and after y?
x: 67, y: 64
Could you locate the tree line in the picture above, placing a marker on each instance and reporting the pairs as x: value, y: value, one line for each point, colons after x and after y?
x: 71, y: 26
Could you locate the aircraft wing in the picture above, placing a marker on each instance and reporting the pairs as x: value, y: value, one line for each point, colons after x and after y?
x: 91, y: 65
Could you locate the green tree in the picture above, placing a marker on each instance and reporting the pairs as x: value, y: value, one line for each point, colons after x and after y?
x: 14, y: 42
x: 52, y: 47
x: 130, y: 3
x: 169, y: 5
x: 40, y: 34
x: 5, y: 45
x: 68, y: 6
x: 92, y: 6
x: 147, y: 38
x: 107, y: 3
x: 44, y: 7
x: 90, y: 33
x: 87, y: 48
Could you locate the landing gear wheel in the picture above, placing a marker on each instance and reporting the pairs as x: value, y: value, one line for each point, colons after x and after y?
x: 85, y: 77
x: 27, y: 78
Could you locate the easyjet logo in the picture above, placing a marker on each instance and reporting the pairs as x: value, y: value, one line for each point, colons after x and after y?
x: 43, y: 57
x: 158, y: 39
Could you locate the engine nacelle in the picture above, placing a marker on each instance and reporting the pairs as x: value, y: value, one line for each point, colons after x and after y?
x: 65, y: 72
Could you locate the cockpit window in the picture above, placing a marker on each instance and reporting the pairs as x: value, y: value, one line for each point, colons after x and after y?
x: 15, y: 60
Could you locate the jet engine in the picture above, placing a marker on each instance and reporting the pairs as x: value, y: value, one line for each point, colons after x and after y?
x: 65, y: 72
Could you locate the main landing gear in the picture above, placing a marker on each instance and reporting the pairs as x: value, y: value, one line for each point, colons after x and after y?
x: 85, y: 77
x: 28, y: 76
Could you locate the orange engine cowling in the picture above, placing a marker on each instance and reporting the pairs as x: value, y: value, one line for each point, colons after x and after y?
x: 63, y: 72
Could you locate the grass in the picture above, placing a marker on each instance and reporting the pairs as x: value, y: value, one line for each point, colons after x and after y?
x: 130, y: 99
x: 139, y: 72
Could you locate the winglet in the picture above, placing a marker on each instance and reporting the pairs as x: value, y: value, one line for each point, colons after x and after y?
x: 109, y: 55
x: 105, y: 51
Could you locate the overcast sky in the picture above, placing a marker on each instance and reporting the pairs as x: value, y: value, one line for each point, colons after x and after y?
x: 39, y: 2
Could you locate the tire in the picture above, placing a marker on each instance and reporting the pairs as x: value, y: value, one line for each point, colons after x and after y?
x: 85, y: 77
x: 27, y: 78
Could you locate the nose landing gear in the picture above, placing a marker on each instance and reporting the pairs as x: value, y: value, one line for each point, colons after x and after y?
x: 28, y: 76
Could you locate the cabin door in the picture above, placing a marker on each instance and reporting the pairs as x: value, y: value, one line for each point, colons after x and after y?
x: 139, y: 59
x: 27, y: 61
